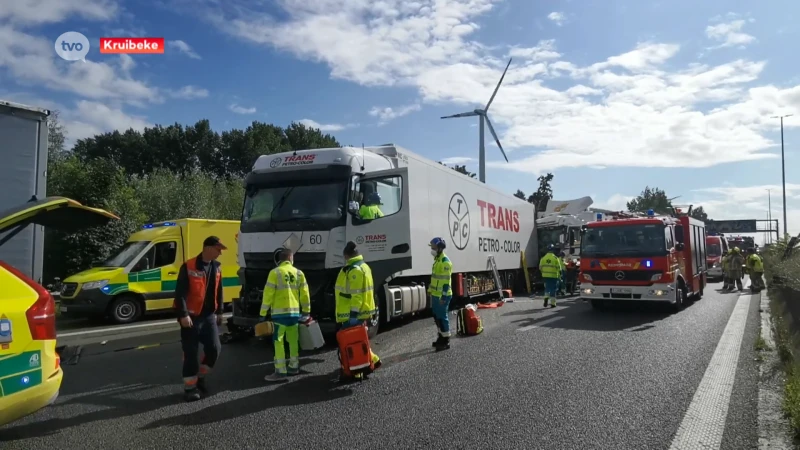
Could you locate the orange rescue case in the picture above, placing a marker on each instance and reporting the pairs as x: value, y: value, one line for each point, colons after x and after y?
x: 354, y: 351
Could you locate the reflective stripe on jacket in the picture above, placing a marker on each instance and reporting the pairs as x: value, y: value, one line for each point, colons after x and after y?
x: 549, y: 266
x: 196, y: 295
x: 441, y: 275
x: 354, y: 291
x: 286, y: 293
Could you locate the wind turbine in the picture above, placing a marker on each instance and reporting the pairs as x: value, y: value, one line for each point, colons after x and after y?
x: 482, y: 115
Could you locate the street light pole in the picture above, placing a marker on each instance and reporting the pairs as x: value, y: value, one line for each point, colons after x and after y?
x: 783, y: 171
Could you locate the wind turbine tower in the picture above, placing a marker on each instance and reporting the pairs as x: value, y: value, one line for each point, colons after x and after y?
x: 484, y: 118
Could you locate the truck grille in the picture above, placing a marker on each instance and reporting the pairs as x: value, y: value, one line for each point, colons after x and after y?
x: 68, y: 290
x: 630, y: 275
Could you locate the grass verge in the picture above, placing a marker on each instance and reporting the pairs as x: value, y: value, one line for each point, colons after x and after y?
x: 785, y: 345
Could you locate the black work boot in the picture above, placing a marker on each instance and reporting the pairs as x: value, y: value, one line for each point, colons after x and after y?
x: 444, y: 344
x: 191, y: 395
x: 201, y: 385
x: 437, y: 342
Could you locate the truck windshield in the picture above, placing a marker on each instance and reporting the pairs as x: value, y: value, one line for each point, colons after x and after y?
x: 315, y: 207
x: 125, y: 255
x: 547, y: 237
x: 713, y: 250
x: 624, y: 241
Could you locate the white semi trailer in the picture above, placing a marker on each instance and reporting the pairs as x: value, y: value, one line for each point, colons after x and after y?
x: 308, y: 201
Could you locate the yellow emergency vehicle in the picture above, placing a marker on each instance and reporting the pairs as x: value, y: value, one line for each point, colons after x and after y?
x: 140, y: 277
x: 30, y: 369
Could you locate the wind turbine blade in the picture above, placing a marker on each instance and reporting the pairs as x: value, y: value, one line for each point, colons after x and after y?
x: 498, y: 86
x: 464, y: 114
x: 496, y: 139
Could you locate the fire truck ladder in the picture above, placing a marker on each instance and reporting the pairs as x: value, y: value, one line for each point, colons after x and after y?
x: 497, y: 282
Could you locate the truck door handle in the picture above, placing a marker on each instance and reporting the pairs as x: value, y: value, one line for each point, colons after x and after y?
x: 172, y: 273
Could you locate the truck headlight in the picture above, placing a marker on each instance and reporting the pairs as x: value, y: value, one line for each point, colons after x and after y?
x: 715, y: 265
x: 94, y: 284
x: 656, y: 277
x: 658, y: 292
x: 587, y: 277
x: 587, y: 291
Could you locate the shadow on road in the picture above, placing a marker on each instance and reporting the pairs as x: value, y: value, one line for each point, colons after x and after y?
x: 580, y: 316
x: 312, y: 389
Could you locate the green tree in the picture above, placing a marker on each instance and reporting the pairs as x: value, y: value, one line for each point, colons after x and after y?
x: 56, y: 137
x: 543, y: 194
x: 459, y: 169
x: 651, y: 198
x: 519, y: 194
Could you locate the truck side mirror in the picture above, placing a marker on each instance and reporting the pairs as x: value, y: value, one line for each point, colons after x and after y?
x: 560, y: 238
x: 353, y: 207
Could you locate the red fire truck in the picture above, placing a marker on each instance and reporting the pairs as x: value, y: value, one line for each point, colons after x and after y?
x: 643, y: 257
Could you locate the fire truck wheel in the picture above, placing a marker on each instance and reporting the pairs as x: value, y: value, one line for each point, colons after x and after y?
x: 680, y: 298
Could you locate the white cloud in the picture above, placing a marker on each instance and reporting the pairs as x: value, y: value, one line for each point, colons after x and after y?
x: 91, y: 118
x: 751, y: 202
x: 729, y: 34
x: 458, y: 160
x: 184, y: 48
x: 191, y: 92
x: 386, y: 114
x: 617, y: 202
x: 636, y: 109
x: 557, y: 17
x: 241, y: 109
x: 326, y: 127
x: 52, y: 11
x: 544, y: 50
x: 30, y: 60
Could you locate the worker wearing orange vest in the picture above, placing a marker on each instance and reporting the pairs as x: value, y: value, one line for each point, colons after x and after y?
x: 198, y: 304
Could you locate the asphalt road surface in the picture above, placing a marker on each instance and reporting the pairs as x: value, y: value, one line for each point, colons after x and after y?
x: 562, y: 378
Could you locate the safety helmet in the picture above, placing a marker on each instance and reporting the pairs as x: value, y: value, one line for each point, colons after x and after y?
x: 438, y: 243
x: 374, y: 199
x: 551, y: 247
x: 736, y: 250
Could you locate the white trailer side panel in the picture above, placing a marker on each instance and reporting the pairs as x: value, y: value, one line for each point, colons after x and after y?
x: 474, y: 219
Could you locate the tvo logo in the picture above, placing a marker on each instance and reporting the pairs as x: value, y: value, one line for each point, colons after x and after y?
x: 72, y: 46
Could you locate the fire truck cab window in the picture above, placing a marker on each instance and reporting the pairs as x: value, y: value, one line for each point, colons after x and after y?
x: 624, y: 241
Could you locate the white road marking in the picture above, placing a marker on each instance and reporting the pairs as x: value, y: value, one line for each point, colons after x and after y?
x: 703, y: 424
x: 123, y: 328
x: 539, y: 324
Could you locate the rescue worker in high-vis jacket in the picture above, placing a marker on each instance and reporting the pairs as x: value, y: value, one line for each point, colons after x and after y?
x: 371, y: 208
x: 755, y: 267
x: 198, y: 305
x: 726, y: 272
x: 441, y: 292
x: 286, y: 294
x: 550, y: 269
x: 355, y: 299
x: 562, y: 281
x: 735, y: 262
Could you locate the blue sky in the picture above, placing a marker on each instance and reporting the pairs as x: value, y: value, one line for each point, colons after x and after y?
x: 610, y: 96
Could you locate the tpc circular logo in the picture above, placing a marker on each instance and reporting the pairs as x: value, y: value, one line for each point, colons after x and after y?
x: 458, y: 218
x: 360, y: 240
x: 275, y: 162
x: 72, y: 46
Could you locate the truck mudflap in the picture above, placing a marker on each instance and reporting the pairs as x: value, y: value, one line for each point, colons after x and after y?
x: 659, y: 292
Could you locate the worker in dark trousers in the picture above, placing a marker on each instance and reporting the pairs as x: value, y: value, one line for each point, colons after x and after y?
x: 198, y: 304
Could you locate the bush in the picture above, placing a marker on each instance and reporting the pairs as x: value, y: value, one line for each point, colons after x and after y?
x: 158, y: 196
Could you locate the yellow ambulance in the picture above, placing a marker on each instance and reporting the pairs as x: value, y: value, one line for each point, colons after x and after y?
x: 140, y: 277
